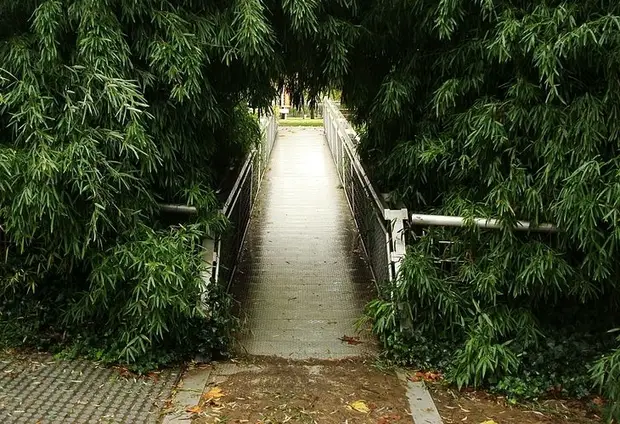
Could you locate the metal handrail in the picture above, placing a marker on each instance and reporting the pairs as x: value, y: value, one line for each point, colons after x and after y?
x: 383, y: 237
x: 234, y: 192
x: 248, y: 174
x: 350, y: 146
x: 490, y: 223
x: 342, y: 139
x: 189, y: 210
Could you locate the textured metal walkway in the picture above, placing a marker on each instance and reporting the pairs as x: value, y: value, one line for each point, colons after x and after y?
x: 35, y: 388
x: 302, y: 281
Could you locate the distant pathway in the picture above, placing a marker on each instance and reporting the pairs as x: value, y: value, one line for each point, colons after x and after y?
x: 302, y: 282
x: 38, y: 389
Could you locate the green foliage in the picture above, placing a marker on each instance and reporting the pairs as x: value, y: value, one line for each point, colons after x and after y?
x: 508, y: 110
x: 108, y: 108
x: 147, y: 289
x: 606, y: 374
x: 145, y: 305
x: 300, y: 122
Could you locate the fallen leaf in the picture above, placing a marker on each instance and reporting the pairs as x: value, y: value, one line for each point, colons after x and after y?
x: 388, y: 419
x: 195, y: 409
x: 351, y: 340
x: 425, y: 376
x: 153, y: 376
x: 488, y: 422
x: 360, y: 406
x: 214, y: 393
x: 123, y: 371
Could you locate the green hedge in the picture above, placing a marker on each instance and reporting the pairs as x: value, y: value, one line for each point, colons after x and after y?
x: 508, y: 110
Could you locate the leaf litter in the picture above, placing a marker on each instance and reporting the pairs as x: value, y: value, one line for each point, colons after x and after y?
x: 478, y: 407
x: 305, y: 392
x: 279, y: 391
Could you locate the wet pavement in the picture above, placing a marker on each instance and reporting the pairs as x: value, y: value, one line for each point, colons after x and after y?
x: 302, y: 282
x: 35, y: 388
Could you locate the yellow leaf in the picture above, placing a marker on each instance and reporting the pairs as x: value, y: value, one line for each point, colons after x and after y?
x: 360, y: 406
x: 488, y: 422
x: 214, y: 393
x: 194, y: 409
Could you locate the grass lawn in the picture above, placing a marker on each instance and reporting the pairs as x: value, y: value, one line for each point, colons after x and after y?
x: 300, y: 122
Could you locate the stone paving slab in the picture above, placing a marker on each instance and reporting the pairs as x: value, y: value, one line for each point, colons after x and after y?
x: 187, y: 395
x: 35, y: 388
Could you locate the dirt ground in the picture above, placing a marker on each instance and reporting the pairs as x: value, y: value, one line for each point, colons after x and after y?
x: 274, y: 391
x: 330, y: 392
x: 479, y: 407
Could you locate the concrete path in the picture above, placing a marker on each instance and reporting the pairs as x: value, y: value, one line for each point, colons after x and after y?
x: 302, y: 281
x: 38, y: 389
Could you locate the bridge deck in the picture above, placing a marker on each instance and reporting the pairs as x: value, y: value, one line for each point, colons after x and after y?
x: 302, y: 281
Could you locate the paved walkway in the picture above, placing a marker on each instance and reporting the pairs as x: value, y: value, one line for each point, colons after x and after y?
x: 302, y: 282
x: 37, y: 389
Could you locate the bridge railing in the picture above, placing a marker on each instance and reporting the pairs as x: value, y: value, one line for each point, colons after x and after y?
x: 381, y: 228
x: 420, y: 224
x: 221, y: 252
x: 238, y: 207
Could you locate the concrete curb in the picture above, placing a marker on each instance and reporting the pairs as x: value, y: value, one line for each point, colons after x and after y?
x: 423, y: 409
x: 187, y: 395
x: 194, y: 383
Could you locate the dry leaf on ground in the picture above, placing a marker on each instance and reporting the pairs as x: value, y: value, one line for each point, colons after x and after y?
x: 194, y: 409
x: 388, y: 419
x: 351, y: 340
x: 360, y: 406
x: 425, y: 376
x: 214, y: 393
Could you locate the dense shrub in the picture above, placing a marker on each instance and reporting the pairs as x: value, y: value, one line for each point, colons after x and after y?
x: 107, y: 108
x: 504, y: 109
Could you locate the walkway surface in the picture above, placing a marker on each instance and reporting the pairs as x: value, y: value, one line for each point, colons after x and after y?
x: 302, y: 282
x: 38, y: 389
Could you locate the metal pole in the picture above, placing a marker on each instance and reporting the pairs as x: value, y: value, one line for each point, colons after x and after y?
x: 396, y: 218
x: 190, y: 210
x: 459, y: 221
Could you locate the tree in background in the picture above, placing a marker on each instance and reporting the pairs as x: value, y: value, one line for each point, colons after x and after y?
x: 503, y: 109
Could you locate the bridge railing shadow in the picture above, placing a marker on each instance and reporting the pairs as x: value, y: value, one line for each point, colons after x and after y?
x: 381, y: 228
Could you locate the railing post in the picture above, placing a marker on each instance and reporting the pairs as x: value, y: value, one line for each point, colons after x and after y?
x: 210, y: 260
x: 397, y: 218
x: 217, y: 250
